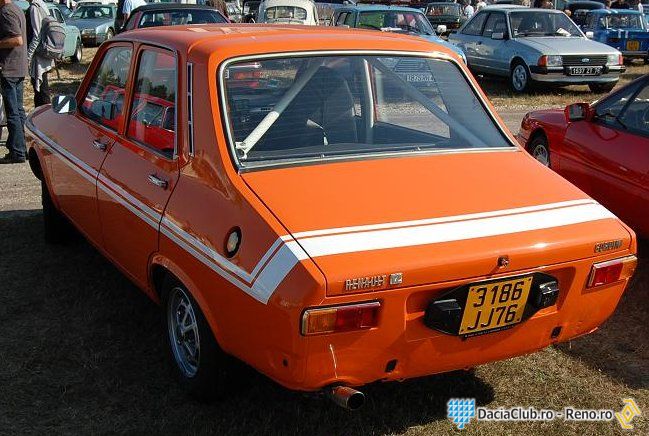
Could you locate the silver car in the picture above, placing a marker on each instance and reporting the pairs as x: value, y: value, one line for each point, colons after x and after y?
x: 96, y: 22
x: 536, y: 45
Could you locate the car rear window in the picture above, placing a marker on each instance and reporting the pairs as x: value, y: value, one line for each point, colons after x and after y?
x: 284, y: 12
x: 180, y: 17
x: 289, y: 110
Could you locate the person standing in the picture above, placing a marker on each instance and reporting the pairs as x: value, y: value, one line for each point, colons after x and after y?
x: 220, y: 5
x: 13, y: 62
x: 39, y: 66
x: 130, y: 6
x: 479, y: 5
x: 468, y: 9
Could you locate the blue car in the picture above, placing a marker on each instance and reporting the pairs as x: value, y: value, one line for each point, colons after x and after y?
x: 395, y: 19
x: 623, y: 29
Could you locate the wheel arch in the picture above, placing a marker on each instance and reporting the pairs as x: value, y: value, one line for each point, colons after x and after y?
x: 515, y: 60
x: 538, y: 132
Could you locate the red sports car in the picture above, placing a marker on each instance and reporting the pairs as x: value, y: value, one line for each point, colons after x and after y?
x: 603, y: 148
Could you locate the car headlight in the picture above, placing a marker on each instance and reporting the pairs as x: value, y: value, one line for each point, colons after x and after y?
x: 614, y: 59
x: 550, y: 61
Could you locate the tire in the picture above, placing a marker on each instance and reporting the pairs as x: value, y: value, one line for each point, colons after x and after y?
x: 539, y: 149
x: 520, y: 79
x: 602, y: 87
x: 78, y: 53
x: 56, y: 228
x: 200, y: 364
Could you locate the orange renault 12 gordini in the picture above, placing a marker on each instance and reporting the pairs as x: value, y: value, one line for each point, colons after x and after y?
x: 359, y: 214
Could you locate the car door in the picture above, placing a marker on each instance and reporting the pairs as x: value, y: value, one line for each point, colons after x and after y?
x: 470, y: 39
x: 70, y: 43
x: 141, y: 170
x: 608, y: 157
x: 88, y: 135
x: 492, y: 51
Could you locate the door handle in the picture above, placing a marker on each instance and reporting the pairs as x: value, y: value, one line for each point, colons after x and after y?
x: 99, y: 145
x: 158, y: 181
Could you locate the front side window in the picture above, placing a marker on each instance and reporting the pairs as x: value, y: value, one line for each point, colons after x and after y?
x: 541, y: 23
x: 636, y: 115
x: 496, y: 23
x: 341, y: 18
x: 104, y: 100
x: 474, y: 27
x: 321, y: 108
x: 410, y: 22
x: 609, y: 110
x: 152, y: 120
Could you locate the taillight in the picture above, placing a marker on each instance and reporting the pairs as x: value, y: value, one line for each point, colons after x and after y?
x: 612, y: 271
x: 337, y: 319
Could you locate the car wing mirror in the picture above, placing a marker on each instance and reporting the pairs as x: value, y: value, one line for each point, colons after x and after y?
x: 498, y: 35
x: 64, y: 104
x: 103, y: 109
x: 441, y: 29
x: 578, y: 112
x: 590, y: 35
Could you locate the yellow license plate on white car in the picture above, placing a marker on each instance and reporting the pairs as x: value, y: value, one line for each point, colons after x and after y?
x: 495, y: 305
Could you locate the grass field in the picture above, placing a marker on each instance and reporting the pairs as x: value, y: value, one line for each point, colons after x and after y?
x: 81, y: 351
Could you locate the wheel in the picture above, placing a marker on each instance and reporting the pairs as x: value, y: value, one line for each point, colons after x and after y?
x: 539, y: 149
x: 109, y: 34
x: 199, y: 362
x: 520, y: 79
x: 78, y: 53
x: 57, y: 229
x: 602, y: 87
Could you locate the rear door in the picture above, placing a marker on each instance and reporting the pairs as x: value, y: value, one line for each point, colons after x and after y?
x: 88, y: 136
x: 609, y: 156
x: 141, y: 169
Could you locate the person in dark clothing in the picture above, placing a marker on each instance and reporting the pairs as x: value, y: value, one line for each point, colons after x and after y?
x: 13, y: 62
x: 620, y: 4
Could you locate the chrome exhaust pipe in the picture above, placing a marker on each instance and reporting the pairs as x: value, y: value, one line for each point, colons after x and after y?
x: 346, y: 397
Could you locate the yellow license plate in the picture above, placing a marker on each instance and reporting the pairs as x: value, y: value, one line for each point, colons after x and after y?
x: 495, y: 305
x: 633, y: 45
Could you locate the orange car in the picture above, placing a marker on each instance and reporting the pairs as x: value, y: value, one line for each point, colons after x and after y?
x: 337, y: 223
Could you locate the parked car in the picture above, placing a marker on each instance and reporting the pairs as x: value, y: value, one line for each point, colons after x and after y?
x: 326, y: 9
x: 234, y: 12
x: 536, y: 46
x: 72, y: 47
x: 622, y: 29
x: 250, y: 10
x: 445, y: 17
x: 288, y: 12
x: 173, y: 14
x: 393, y: 19
x: 580, y: 8
x: 241, y: 222
x: 602, y: 148
x: 95, y: 22
x: 65, y: 11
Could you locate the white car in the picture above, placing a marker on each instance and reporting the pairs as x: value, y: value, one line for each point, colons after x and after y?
x: 288, y: 12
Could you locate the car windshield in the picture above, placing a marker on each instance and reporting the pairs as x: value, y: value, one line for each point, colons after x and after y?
x: 90, y: 12
x: 287, y: 110
x: 622, y: 21
x: 180, y: 17
x: 452, y: 9
x: 285, y: 12
x: 540, y: 23
x: 391, y: 21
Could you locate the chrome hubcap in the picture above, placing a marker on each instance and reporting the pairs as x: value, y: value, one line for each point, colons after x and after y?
x: 540, y: 153
x: 519, y: 77
x: 183, y: 332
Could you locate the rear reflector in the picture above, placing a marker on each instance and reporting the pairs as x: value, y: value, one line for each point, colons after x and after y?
x: 340, y: 318
x: 612, y: 271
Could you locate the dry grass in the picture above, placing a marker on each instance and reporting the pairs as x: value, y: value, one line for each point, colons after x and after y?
x: 82, y: 352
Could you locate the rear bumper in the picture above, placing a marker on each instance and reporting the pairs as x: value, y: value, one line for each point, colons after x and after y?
x: 558, y: 76
x: 359, y: 358
x: 634, y: 54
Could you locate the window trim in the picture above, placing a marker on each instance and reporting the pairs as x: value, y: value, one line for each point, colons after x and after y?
x: 190, y: 108
x: 127, y: 116
x: 83, y: 90
x: 223, y: 105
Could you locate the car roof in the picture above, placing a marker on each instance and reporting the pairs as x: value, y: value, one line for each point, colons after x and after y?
x: 294, y: 3
x: 201, y: 41
x: 614, y: 11
x: 517, y: 8
x: 373, y: 8
x: 167, y: 6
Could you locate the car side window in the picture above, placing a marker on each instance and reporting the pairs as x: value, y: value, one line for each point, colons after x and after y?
x: 636, y: 114
x: 152, y: 120
x: 341, y: 18
x: 609, y: 110
x: 349, y: 19
x: 474, y: 27
x: 495, y: 24
x: 104, y: 100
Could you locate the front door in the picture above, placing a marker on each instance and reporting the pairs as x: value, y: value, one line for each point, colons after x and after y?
x: 610, y: 154
x: 88, y: 136
x: 141, y: 169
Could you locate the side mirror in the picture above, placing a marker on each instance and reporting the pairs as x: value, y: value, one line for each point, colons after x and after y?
x: 590, y: 35
x: 498, y: 35
x: 103, y: 109
x: 441, y: 29
x: 577, y: 112
x: 64, y: 104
